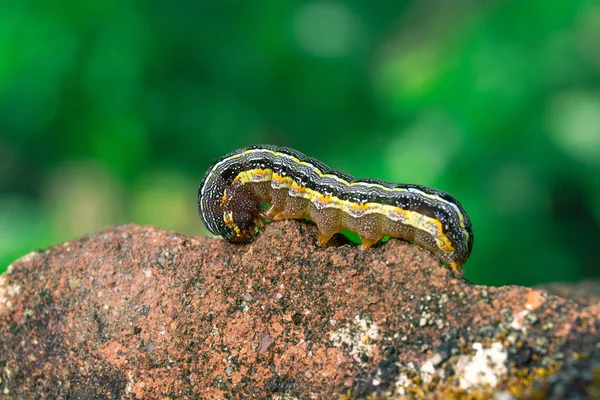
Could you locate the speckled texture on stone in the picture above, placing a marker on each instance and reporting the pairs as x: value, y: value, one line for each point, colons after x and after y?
x: 585, y: 293
x: 140, y: 313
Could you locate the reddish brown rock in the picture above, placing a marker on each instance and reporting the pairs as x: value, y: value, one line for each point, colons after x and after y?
x: 140, y: 313
x: 585, y: 293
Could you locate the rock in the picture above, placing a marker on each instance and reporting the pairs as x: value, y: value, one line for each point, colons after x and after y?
x: 585, y: 293
x: 139, y: 313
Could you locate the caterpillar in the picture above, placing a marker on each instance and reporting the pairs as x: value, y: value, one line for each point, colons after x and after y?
x: 233, y: 190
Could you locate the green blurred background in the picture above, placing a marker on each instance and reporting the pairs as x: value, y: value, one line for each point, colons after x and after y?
x: 111, y: 111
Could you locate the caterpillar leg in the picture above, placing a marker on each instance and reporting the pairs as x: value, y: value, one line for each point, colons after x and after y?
x: 273, y: 212
x: 456, y: 268
x: 322, y: 239
x: 367, y: 242
x: 259, y: 222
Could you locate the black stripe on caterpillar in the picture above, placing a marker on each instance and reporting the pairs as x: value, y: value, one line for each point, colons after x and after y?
x: 299, y: 187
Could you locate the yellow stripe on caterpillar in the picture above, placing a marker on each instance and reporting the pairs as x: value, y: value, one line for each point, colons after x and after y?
x: 296, y: 186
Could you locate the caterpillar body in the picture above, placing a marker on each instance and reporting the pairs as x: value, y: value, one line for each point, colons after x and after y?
x: 295, y: 186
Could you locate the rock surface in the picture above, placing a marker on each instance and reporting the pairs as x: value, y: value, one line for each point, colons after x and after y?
x: 585, y: 293
x: 140, y: 313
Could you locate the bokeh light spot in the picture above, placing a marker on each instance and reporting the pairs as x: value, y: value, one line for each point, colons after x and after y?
x: 421, y: 153
x: 574, y: 125
x: 326, y: 29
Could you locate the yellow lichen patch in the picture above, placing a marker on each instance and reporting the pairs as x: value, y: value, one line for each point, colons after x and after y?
x: 520, y: 382
x: 346, y: 396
